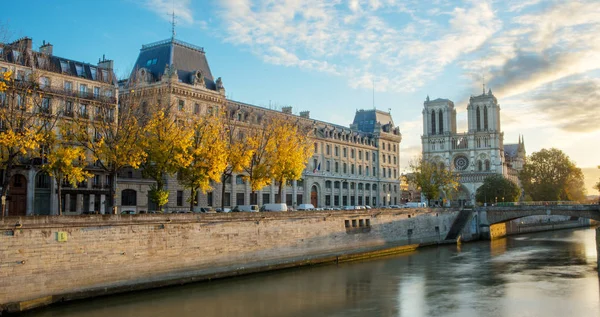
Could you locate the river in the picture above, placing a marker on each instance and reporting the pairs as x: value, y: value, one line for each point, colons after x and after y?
x: 541, y: 274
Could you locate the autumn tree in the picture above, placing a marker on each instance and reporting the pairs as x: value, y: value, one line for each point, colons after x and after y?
x: 167, y: 142
x: 64, y: 161
x: 208, y: 156
x: 550, y: 175
x: 261, y: 143
x: 24, y: 114
x: 238, y: 152
x: 114, y: 140
x: 291, y: 150
x: 431, y: 178
x: 497, y: 187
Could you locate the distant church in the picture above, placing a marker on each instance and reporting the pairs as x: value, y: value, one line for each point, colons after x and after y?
x: 474, y: 154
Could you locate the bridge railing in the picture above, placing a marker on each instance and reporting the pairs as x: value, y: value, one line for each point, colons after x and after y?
x: 536, y: 203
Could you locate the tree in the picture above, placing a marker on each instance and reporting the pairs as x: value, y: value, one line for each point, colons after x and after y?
x: 496, y: 186
x: 291, y: 150
x: 24, y: 116
x: 597, y: 186
x: 208, y: 156
x: 549, y: 175
x: 238, y: 152
x: 260, y: 141
x: 114, y: 141
x: 167, y: 141
x: 431, y: 178
x: 64, y: 161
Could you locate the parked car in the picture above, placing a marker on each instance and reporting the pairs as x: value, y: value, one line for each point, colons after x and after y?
x: 128, y: 212
x: 348, y: 208
x: 395, y: 206
x: 223, y: 209
x: 304, y: 207
x: 274, y: 207
x: 207, y: 210
x: 246, y: 208
x: 368, y: 207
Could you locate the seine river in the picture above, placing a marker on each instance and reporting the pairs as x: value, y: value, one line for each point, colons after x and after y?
x: 543, y: 274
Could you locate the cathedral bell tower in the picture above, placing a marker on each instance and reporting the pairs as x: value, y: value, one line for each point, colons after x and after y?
x: 484, y: 113
x: 439, y: 117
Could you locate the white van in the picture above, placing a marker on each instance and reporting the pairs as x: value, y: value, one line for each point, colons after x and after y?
x: 274, y: 207
x: 248, y: 208
x: 415, y: 205
x: 305, y: 207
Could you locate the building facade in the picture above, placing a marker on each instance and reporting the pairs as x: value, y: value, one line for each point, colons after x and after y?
x: 474, y: 154
x: 355, y: 165
x: 60, y: 89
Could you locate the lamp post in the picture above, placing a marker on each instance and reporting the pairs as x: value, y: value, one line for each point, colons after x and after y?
x: 3, y: 205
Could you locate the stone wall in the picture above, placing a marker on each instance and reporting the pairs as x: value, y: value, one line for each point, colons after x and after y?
x: 49, y: 258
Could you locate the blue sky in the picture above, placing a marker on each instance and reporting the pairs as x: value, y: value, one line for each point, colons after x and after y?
x: 540, y: 58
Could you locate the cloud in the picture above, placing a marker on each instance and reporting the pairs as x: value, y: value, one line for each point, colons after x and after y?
x: 358, y: 39
x: 572, y: 105
x: 164, y: 9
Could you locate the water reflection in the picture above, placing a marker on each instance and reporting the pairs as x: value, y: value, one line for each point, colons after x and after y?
x: 545, y: 274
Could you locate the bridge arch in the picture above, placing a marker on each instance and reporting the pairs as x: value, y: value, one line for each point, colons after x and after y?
x: 501, y: 214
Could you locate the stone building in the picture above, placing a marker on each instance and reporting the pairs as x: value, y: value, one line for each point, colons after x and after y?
x: 65, y: 89
x: 355, y: 165
x: 474, y: 154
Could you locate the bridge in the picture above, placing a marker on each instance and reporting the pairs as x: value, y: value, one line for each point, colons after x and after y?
x: 509, y: 211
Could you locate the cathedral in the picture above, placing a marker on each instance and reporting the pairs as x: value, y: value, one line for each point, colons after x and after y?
x: 474, y: 154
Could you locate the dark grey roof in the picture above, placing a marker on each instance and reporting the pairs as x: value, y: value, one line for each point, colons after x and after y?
x: 184, y: 57
x: 365, y: 120
x: 441, y: 99
x: 511, y: 150
x: 20, y: 54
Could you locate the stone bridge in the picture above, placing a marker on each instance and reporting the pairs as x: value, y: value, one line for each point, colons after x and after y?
x: 498, y: 214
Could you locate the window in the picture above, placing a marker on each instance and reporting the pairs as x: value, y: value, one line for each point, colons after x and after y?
x: 367, y: 170
x: 79, y: 69
x: 487, y: 165
x: 64, y: 66
x: 374, y: 156
x: 389, y: 148
x: 328, y: 166
x: 352, y: 153
x: 383, y: 158
x: 316, y: 148
x: 394, y: 147
x: 337, y: 151
x: 96, y: 92
x: 180, y: 198
x: 344, y: 169
x: 336, y: 185
x: 367, y: 156
x: 69, y: 108
x: 352, y: 169
x: 45, y: 107
x: 479, y: 166
x: 328, y: 184
x: 367, y: 187
x: 383, y: 171
x: 360, y: 155
x: 345, y: 185
x: 128, y: 197
x: 239, y: 180
x: 44, y: 82
x: 93, y: 72
x: 315, y: 165
x: 345, y: 154
x: 68, y: 86
x: 82, y: 90
x: 359, y: 170
x: 2, y: 99
x: 196, y: 108
x: 83, y: 111
x: 352, y: 185
x: 209, y: 199
x: 20, y: 101
x: 96, y: 181
x: 181, y: 105
x: 394, y: 160
x: 374, y: 171
x: 327, y: 149
x: 337, y: 167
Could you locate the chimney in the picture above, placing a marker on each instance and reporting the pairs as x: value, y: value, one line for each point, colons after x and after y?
x: 46, y: 48
x: 305, y: 114
x: 105, y: 63
x: 287, y: 110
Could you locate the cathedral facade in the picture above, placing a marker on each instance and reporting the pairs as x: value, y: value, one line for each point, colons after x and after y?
x: 475, y: 154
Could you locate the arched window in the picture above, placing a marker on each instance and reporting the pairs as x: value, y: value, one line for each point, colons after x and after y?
x: 345, y: 168
x: 42, y: 180
x: 128, y: 197
x: 487, y: 165
x: 485, y: 118
x: 433, y: 122
x: 367, y: 186
x: 328, y: 184
x: 337, y: 167
x: 478, y: 120
x: 336, y: 185
x: 442, y: 166
x: 441, y: 122
x: 374, y: 186
x: 479, y: 166
x: 360, y: 186
x: 383, y: 169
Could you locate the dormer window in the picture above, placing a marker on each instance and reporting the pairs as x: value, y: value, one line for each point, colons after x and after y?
x: 79, y: 69
x: 64, y: 66
x: 151, y: 61
x: 93, y: 71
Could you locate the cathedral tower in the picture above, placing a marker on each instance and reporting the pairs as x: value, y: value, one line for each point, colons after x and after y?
x: 439, y: 117
x: 484, y: 113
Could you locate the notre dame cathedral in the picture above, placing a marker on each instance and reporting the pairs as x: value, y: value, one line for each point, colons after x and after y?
x: 474, y: 154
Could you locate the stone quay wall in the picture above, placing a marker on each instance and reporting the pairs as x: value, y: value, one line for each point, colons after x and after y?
x: 46, y: 259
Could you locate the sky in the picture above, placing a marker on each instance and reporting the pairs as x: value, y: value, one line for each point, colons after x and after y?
x: 541, y: 59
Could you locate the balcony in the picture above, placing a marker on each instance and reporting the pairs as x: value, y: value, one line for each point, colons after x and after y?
x: 88, y: 95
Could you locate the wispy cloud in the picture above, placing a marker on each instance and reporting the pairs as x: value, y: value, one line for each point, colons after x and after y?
x: 165, y: 9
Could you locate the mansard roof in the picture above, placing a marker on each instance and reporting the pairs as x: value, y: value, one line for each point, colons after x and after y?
x: 365, y: 120
x: 511, y: 150
x: 21, y: 53
x: 186, y: 58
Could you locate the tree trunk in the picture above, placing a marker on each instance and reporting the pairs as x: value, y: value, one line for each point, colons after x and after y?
x: 192, y: 198
x: 279, y: 191
x: 224, y: 179
x: 58, y: 191
x: 5, y: 184
x: 112, y: 193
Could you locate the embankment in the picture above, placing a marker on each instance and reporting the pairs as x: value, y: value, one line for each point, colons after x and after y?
x: 47, y: 259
